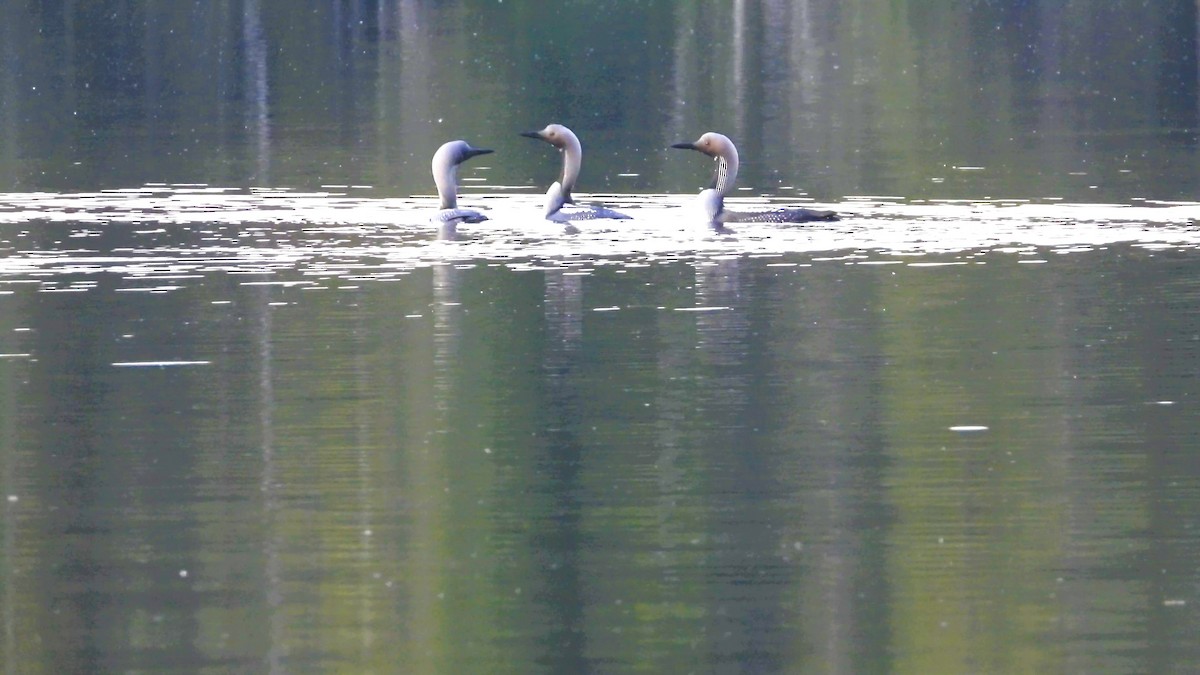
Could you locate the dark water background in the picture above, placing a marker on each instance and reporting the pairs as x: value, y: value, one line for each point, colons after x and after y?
x: 950, y: 434
x: 832, y: 98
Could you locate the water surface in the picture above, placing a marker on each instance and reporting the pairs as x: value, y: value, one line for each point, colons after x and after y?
x: 256, y: 416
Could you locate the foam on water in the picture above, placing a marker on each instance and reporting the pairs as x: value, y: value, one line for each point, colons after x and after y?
x: 178, y: 230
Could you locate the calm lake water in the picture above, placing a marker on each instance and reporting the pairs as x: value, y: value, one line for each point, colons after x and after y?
x: 256, y: 417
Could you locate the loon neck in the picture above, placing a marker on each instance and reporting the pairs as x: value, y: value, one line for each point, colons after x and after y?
x: 726, y: 173
x: 446, y: 181
x: 556, y: 198
x: 572, y: 153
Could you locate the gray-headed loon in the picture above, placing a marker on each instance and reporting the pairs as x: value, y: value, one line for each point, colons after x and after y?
x: 559, y: 194
x: 712, y: 199
x: 445, y: 175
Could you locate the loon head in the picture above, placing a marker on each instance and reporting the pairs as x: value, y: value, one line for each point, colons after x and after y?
x: 557, y: 135
x: 452, y: 154
x: 445, y: 168
x: 724, y: 151
x: 714, y: 145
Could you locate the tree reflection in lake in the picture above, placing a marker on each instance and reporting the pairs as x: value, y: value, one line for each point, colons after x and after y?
x: 1075, y: 101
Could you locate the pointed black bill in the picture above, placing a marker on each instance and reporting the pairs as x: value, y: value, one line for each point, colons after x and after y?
x: 684, y: 146
x: 475, y: 152
x: 532, y: 134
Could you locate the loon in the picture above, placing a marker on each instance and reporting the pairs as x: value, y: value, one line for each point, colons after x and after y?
x: 559, y: 194
x: 712, y: 199
x: 445, y: 175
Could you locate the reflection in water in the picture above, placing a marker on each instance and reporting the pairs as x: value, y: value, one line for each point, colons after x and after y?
x: 365, y: 486
x: 429, y: 449
x: 836, y: 416
x: 741, y: 76
x: 270, y: 486
x: 10, y: 493
x: 407, y: 66
x: 563, y: 543
x: 447, y: 332
x: 726, y: 433
x: 741, y: 460
x: 258, y: 117
x: 564, y: 320
x: 682, y: 92
x: 9, y: 129
x: 832, y: 98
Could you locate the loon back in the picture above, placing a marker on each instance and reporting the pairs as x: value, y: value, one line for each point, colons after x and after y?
x: 784, y: 215
x: 586, y: 212
x: 459, y: 216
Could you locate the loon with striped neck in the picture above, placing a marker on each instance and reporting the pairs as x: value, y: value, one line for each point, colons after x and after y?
x: 559, y: 194
x: 445, y: 176
x: 712, y: 199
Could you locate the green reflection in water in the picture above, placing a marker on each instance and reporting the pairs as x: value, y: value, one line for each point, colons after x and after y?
x: 953, y: 100
x: 472, y: 468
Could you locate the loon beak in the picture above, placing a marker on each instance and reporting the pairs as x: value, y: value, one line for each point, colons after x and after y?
x: 532, y: 134
x: 475, y: 152
x: 685, y: 146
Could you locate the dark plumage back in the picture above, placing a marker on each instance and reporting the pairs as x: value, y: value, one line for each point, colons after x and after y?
x: 787, y: 215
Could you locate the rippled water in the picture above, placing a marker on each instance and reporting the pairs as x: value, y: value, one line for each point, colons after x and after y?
x: 219, y: 228
x: 285, y: 431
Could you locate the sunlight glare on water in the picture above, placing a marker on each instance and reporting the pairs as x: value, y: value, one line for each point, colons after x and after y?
x: 347, y: 234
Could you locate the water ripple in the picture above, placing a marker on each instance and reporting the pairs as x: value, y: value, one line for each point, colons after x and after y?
x: 180, y: 230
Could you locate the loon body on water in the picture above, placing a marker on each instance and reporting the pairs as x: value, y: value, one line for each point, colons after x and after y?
x: 558, y: 197
x: 712, y: 199
x: 445, y: 176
